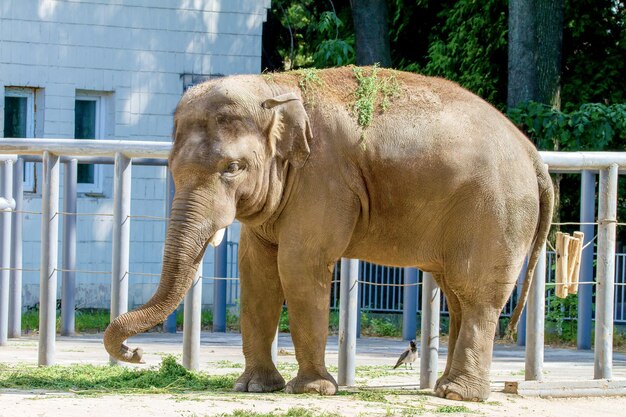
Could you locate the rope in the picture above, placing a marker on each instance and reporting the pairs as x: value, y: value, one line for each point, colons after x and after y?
x: 19, y: 269
x: 26, y: 212
x: 554, y: 284
x: 144, y: 274
x: 575, y: 224
x: 377, y: 284
x: 588, y: 223
x: 221, y: 278
x: 585, y: 246
x: 84, y: 271
x: 64, y: 213
x: 149, y: 217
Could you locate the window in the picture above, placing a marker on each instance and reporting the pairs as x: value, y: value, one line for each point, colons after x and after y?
x: 89, y: 124
x: 19, y: 122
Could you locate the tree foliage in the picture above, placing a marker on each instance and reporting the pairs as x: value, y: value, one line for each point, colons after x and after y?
x: 591, y: 127
x: 471, y: 47
x: 594, y: 52
x: 464, y: 40
x: 308, y: 33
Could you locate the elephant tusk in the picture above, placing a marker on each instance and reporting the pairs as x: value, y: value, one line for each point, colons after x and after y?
x: 216, y: 239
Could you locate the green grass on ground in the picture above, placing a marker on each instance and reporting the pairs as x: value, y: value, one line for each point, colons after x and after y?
x: 170, y: 377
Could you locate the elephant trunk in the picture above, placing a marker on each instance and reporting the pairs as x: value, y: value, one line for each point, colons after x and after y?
x: 187, y: 237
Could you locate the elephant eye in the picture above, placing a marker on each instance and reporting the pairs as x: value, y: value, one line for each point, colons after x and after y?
x: 233, y: 168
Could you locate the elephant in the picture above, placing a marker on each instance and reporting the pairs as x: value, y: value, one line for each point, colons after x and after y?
x: 367, y: 163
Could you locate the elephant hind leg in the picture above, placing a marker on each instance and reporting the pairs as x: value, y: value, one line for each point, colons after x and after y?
x: 467, y: 375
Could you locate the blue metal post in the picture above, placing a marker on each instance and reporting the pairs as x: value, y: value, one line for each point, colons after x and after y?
x: 170, y: 322
x: 587, y: 215
x: 409, y: 307
x: 219, y: 285
x: 521, y: 327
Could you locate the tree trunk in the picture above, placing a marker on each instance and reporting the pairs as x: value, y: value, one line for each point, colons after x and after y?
x: 549, y: 35
x: 522, y: 83
x: 535, y: 43
x: 372, y: 32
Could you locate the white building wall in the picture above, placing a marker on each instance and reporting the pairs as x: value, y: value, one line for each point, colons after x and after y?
x: 134, y: 53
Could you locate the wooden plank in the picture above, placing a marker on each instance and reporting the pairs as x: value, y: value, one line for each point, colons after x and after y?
x: 562, y: 250
x: 582, y: 388
x: 576, y: 252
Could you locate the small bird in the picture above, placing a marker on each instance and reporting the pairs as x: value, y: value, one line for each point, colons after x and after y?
x: 408, y: 356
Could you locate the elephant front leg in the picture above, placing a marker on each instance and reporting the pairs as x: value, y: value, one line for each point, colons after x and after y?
x: 261, y: 303
x: 307, y: 289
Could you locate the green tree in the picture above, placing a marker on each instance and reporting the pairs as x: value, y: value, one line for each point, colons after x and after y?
x: 471, y: 48
x: 307, y: 33
x: 594, y: 53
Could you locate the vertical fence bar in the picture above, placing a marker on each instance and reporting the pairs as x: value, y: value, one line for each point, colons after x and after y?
x: 585, y: 292
x: 607, y: 218
x: 170, y: 322
x: 535, y: 317
x: 15, y: 301
x: 431, y: 304
x: 6, y: 191
x: 68, y: 276
x: 348, y: 310
x: 191, y: 323
x: 360, y: 290
x: 219, y: 285
x: 409, y: 307
x: 521, y: 330
x: 275, y: 347
x: 121, y: 235
x: 49, y: 252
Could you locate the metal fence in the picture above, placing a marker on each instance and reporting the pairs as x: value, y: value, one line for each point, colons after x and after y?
x: 381, y: 291
x: 381, y: 288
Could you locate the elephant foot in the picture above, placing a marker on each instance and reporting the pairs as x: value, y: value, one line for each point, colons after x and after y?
x: 460, y: 389
x: 260, y: 380
x: 312, y: 383
x: 442, y: 379
x: 131, y: 355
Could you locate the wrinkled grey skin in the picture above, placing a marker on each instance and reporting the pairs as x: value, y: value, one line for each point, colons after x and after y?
x: 440, y: 180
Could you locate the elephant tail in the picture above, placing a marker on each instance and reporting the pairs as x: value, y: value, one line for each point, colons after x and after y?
x: 546, y: 205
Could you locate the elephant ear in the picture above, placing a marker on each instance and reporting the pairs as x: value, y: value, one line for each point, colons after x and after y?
x: 290, y: 130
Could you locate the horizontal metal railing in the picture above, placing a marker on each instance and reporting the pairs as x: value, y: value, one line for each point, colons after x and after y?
x: 124, y: 152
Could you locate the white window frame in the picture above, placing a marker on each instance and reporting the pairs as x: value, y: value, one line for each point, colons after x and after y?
x: 29, y: 94
x: 96, y: 186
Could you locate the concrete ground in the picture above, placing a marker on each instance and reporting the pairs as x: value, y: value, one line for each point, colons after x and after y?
x: 221, y: 353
